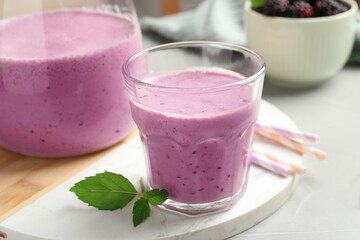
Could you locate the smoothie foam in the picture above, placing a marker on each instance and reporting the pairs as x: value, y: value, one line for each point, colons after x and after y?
x: 197, y: 143
x: 61, y: 85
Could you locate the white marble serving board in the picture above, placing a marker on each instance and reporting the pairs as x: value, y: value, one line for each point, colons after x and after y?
x: 60, y: 215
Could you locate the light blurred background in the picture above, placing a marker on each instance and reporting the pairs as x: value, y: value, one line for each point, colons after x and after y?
x: 157, y: 8
x: 154, y: 8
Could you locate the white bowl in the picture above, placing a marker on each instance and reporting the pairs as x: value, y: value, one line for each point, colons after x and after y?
x: 301, y: 52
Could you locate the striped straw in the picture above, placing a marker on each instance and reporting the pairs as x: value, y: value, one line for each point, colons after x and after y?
x: 293, y: 144
x: 296, y: 168
x: 305, y: 136
x: 266, y: 163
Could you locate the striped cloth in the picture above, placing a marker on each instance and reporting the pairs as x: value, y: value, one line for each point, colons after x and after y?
x: 213, y: 20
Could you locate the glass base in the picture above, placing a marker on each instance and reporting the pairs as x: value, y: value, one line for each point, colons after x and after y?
x: 202, y: 208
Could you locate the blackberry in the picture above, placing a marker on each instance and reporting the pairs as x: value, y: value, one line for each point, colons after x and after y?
x: 276, y: 7
x: 337, y: 7
x: 322, y: 8
x: 311, y: 2
x: 303, y: 9
x: 291, y: 12
x: 328, y: 7
x: 258, y: 9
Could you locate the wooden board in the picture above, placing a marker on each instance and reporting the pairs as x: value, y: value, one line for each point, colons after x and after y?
x: 24, y: 179
x: 58, y: 214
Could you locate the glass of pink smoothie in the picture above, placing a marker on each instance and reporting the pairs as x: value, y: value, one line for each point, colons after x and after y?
x: 195, y: 104
x: 62, y: 91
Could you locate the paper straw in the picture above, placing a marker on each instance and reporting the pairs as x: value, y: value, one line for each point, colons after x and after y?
x: 266, y: 163
x: 296, y: 168
x: 293, y: 144
x: 305, y: 136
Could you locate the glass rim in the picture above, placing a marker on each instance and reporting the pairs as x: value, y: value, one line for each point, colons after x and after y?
x: 246, y: 80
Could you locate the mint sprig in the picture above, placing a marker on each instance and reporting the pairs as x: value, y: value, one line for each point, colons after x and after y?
x: 156, y: 196
x: 141, y: 211
x: 258, y: 3
x: 111, y: 191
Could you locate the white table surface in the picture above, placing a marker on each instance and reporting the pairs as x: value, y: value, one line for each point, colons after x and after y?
x: 326, y: 203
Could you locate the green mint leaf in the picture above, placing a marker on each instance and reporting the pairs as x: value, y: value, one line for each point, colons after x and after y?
x: 156, y: 196
x: 141, y: 211
x: 142, y: 185
x: 258, y: 3
x: 105, y: 191
x: 110, y: 191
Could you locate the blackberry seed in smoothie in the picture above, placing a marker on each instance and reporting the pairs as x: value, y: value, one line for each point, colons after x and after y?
x: 197, y: 143
x: 61, y: 86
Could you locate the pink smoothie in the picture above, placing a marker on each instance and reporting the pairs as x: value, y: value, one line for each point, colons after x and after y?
x: 197, y: 143
x: 61, y: 85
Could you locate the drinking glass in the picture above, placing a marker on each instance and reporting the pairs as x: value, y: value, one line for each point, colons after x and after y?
x: 195, y: 104
x: 62, y: 91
